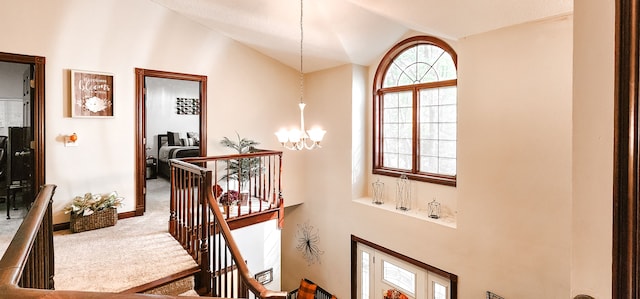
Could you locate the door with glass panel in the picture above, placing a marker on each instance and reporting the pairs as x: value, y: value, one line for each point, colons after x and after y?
x: 383, y: 276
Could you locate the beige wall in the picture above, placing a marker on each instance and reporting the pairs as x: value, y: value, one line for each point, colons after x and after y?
x: 513, y: 198
x: 593, y: 103
x: 534, y: 160
x: 116, y: 37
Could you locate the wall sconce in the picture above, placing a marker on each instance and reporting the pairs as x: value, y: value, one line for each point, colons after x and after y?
x: 434, y: 209
x: 71, y: 140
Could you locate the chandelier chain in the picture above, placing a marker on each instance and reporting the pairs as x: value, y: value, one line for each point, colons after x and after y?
x: 301, y: 53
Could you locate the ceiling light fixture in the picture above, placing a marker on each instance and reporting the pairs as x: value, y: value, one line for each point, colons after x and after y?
x: 298, y: 138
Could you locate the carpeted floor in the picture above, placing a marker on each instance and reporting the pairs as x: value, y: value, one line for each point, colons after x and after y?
x: 8, y: 227
x: 135, y: 251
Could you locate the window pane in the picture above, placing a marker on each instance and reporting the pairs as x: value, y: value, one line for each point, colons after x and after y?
x: 390, y: 130
x: 445, y: 67
x: 447, y: 95
x: 447, y: 166
x: 391, y: 100
x: 399, y: 277
x: 365, y: 275
x: 429, y: 147
x: 404, y: 130
x: 447, y: 149
x: 447, y: 113
x: 404, y: 146
x: 390, y: 160
x: 428, y: 164
x: 391, y: 145
x: 447, y: 131
x: 404, y: 162
x: 439, y: 291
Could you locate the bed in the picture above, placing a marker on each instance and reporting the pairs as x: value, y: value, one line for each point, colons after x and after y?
x: 170, y: 148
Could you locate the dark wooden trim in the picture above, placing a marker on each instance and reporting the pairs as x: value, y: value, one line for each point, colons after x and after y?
x: 378, y: 93
x: 626, y: 270
x: 251, y: 219
x: 67, y: 225
x: 38, y: 110
x: 162, y: 281
x: 140, y: 151
x: 354, y: 255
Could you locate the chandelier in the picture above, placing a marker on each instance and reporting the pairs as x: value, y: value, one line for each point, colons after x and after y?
x: 299, y: 138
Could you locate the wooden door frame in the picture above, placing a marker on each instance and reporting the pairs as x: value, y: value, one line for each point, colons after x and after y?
x: 141, y: 122
x: 38, y: 111
x: 626, y: 201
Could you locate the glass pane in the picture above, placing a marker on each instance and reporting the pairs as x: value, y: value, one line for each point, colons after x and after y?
x: 390, y: 100
x: 429, y: 147
x: 429, y: 164
x: 405, y: 115
x: 439, y: 291
x: 364, y: 287
x: 447, y: 131
x: 404, y: 130
x: 429, y: 114
x: 391, y: 76
x: 404, y: 146
x: 428, y: 131
x: 447, y: 149
x: 390, y: 130
x: 405, y: 99
x: 447, y: 166
x: 429, y: 53
x: 429, y: 97
x: 404, y: 162
x: 445, y: 67
x: 448, y: 95
x: 390, y: 160
x: 390, y: 145
x: 399, y: 277
x: 447, y: 113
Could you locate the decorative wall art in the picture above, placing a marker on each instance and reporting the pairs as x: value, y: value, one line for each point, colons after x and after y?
x: 91, y: 94
x: 186, y: 106
x: 308, y: 240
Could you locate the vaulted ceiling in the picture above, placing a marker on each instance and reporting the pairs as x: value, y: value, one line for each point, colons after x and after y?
x: 354, y: 31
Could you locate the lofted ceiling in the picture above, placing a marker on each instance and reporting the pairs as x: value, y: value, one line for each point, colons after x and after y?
x: 354, y: 31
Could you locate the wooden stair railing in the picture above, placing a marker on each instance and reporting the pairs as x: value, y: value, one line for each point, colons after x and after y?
x: 197, y: 222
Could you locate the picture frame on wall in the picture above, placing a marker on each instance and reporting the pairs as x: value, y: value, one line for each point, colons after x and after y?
x: 91, y: 94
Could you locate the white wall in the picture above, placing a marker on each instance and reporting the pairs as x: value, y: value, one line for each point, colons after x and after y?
x: 260, y: 247
x: 513, y: 198
x: 593, y: 103
x: 161, y: 109
x: 116, y: 37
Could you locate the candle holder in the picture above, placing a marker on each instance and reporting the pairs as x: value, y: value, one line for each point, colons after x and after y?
x: 378, y: 191
x: 434, y: 209
x: 403, y: 194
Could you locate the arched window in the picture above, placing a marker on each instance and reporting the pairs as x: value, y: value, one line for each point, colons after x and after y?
x: 415, y: 111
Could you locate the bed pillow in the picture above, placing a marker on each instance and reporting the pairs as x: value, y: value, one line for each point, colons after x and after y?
x: 188, y: 141
x: 195, y: 136
x: 174, y: 138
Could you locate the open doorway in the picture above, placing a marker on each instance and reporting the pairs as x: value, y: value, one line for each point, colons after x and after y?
x: 21, y: 128
x: 169, y: 96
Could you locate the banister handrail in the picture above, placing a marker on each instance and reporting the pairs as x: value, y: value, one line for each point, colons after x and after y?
x: 252, y: 283
x: 16, y: 257
x: 182, y: 177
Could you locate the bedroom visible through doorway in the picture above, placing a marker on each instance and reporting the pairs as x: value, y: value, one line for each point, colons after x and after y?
x: 170, y: 123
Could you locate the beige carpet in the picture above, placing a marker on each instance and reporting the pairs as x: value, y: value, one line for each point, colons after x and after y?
x: 135, y: 251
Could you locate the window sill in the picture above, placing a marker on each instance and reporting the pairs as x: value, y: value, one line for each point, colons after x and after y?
x: 422, y: 214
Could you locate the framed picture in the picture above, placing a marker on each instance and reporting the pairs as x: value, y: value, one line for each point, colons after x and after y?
x: 91, y: 94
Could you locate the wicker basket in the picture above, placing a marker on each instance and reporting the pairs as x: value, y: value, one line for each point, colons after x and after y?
x: 99, y: 219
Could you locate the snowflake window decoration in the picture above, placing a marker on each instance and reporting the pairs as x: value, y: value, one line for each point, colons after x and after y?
x: 308, y: 240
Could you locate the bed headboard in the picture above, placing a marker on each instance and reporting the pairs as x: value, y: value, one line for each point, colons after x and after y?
x: 162, y: 139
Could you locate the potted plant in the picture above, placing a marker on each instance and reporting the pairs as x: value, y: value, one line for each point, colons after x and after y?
x: 93, y: 211
x: 244, y: 169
